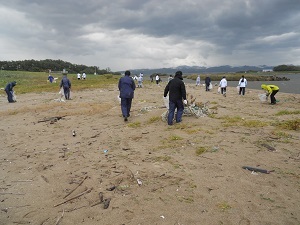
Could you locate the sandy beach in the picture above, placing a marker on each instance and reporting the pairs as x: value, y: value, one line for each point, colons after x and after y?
x: 146, y: 171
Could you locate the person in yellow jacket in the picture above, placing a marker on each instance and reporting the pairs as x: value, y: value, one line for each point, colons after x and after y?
x: 271, y: 90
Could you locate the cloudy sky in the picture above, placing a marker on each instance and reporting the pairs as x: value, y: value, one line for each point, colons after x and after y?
x: 133, y: 34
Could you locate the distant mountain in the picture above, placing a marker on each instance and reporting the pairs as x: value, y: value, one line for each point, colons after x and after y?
x: 200, y: 69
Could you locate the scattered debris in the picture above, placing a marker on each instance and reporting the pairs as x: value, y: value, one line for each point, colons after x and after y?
x: 77, y: 196
x: 51, y: 119
x: 257, y: 169
x: 111, y: 188
x: 76, y: 186
x: 270, y: 148
x: 106, y: 203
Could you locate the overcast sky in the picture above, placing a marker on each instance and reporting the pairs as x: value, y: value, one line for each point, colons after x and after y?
x: 133, y: 34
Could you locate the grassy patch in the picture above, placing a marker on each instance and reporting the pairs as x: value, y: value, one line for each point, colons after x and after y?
x: 36, y: 82
x: 239, y: 121
x: 175, y: 138
x: 134, y: 125
x: 200, y: 150
x: 281, y: 134
x: 289, y: 124
x: 154, y: 119
x: 224, y: 206
x: 287, y: 112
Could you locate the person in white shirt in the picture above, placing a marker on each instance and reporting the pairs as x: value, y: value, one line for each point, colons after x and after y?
x: 242, y: 84
x: 78, y: 76
x: 223, y: 85
x: 157, y: 79
x: 198, y: 80
x: 83, y: 76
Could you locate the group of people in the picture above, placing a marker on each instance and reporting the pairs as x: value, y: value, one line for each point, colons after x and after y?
x: 177, y: 93
x: 175, y: 89
x: 83, y: 77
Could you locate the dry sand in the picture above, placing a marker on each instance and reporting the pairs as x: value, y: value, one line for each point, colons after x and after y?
x: 42, y: 163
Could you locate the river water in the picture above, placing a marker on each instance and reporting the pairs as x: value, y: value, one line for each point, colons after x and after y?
x: 291, y: 86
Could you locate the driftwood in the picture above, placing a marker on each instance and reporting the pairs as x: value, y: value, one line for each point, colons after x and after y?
x: 60, y: 218
x: 51, y: 119
x: 100, y: 200
x: 76, y: 187
x: 77, y: 196
x: 257, y: 169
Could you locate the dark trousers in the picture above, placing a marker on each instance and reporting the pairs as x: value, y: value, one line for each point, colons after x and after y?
x: 273, y: 99
x: 206, y: 86
x: 67, y: 92
x: 223, y: 90
x: 172, y: 106
x: 126, y: 106
x: 242, y: 90
x: 9, y: 96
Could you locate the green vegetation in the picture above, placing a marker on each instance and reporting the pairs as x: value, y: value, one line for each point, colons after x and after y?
x: 134, y: 125
x: 175, y: 138
x: 53, y: 65
x: 286, y: 112
x: 287, y: 68
x: 237, y: 76
x: 238, y: 121
x: 289, y: 124
x: 200, y: 150
x: 37, y: 81
x: 154, y: 119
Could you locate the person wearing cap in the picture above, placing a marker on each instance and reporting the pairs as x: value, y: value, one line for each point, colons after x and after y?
x: 10, y: 92
x: 177, y: 93
x: 126, y: 87
x: 271, y: 90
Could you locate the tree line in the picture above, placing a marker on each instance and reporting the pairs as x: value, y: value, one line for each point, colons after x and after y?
x: 286, y: 68
x: 53, y: 65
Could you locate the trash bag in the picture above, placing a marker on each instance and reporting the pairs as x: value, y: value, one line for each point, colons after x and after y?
x: 166, y: 102
x: 219, y: 90
x: 210, y: 86
x: 262, y: 97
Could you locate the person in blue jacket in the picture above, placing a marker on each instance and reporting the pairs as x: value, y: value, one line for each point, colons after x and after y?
x: 126, y: 88
x: 66, y: 85
x: 10, y: 92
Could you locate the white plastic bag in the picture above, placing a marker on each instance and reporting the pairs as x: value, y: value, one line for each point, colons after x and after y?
x: 262, y: 97
x: 166, y: 102
x: 210, y: 86
x: 219, y: 90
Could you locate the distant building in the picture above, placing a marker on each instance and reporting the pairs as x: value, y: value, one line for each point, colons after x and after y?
x: 267, y: 70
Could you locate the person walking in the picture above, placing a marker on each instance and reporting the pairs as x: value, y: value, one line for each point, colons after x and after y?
x: 78, y: 76
x: 223, y: 85
x: 157, y: 79
x: 198, y: 80
x: 9, y: 89
x: 242, y: 84
x: 140, y: 81
x: 83, y: 75
x: 207, y: 83
x: 126, y: 87
x: 66, y: 85
x: 177, y: 93
x: 271, y: 90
